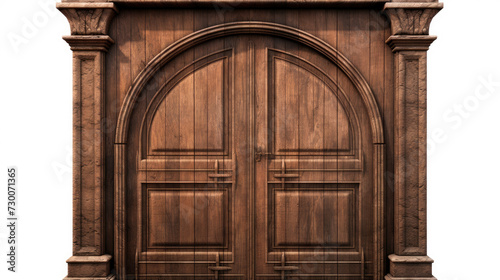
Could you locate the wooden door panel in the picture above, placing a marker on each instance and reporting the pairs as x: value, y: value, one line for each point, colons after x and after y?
x: 178, y: 110
x: 185, y: 171
x: 317, y: 195
x: 177, y: 123
x: 324, y: 216
x: 253, y: 160
x: 189, y: 208
x: 307, y: 114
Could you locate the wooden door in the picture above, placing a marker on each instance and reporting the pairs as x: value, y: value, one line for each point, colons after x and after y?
x: 313, y: 188
x: 252, y: 160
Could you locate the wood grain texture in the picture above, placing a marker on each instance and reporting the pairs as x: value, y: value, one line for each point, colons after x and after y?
x: 252, y: 28
x: 410, y: 42
x: 88, y: 18
x: 89, y: 42
x: 249, y: 143
x: 314, y: 228
x: 88, y: 172
x: 299, y: 228
x: 411, y: 153
x: 411, y: 18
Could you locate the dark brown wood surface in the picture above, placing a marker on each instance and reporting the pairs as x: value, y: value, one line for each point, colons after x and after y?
x: 217, y: 141
x: 205, y: 187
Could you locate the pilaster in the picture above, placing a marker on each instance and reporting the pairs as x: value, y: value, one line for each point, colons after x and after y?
x: 89, y: 23
x: 410, y: 41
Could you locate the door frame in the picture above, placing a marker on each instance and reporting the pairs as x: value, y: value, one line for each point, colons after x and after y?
x: 228, y: 29
x: 409, y: 39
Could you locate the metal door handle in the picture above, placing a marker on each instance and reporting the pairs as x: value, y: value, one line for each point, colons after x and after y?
x: 259, y: 155
x: 219, y: 268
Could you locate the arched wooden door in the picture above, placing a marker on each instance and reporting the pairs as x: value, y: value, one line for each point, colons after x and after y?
x: 251, y: 157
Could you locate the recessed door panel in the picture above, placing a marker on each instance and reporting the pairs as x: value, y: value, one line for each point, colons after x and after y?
x: 189, y: 209
x: 191, y: 112
x: 323, y: 126
x: 323, y: 216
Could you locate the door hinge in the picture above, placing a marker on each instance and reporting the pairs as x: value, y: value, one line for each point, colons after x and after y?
x: 259, y: 154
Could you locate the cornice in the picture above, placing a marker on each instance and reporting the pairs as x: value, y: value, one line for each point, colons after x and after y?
x: 89, y: 42
x: 410, y: 42
x: 234, y: 4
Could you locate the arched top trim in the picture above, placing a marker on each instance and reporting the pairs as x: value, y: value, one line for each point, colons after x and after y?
x: 250, y: 27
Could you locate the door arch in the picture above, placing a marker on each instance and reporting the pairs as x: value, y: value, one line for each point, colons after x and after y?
x: 226, y: 30
x: 250, y: 27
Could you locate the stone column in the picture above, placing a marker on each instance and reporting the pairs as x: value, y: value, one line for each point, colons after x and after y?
x: 410, y: 41
x: 89, y: 42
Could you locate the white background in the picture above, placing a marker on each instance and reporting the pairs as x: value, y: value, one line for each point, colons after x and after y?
x: 463, y: 123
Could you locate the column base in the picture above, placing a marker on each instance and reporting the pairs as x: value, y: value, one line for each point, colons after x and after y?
x: 410, y: 268
x: 89, y: 268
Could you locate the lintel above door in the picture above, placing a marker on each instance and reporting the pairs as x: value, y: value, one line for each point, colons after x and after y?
x: 231, y: 4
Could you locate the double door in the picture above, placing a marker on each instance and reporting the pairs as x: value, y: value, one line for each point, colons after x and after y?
x: 251, y: 159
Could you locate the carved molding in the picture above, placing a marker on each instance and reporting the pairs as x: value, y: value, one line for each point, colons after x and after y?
x: 89, y: 42
x: 250, y: 27
x: 411, y: 18
x: 88, y: 18
x: 379, y: 160
x: 410, y: 42
x: 242, y: 4
x: 410, y: 150
x: 88, y: 153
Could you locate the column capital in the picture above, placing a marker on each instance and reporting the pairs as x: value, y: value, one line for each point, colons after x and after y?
x: 91, y: 18
x: 411, y: 18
